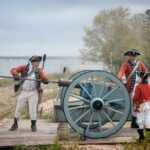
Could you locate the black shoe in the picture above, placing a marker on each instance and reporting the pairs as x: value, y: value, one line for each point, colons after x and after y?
x: 33, y: 126
x: 141, y: 134
x: 15, y: 125
x: 134, y: 123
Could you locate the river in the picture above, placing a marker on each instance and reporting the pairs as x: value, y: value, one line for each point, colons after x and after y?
x: 52, y: 64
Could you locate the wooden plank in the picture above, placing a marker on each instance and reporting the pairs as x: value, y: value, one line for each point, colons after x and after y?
x: 126, y: 134
x: 99, y: 147
x: 45, y: 134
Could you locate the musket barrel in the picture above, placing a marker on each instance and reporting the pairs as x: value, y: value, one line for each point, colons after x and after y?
x: 61, y: 82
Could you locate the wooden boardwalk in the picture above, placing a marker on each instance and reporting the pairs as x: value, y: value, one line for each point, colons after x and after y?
x: 126, y: 134
x: 23, y: 136
x: 47, y: 133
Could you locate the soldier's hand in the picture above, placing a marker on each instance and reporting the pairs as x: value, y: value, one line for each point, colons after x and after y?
x: 16, y: 77
x: 45, y: 81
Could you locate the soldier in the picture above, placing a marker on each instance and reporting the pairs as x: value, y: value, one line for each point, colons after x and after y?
x: 142, y: 100
x: 28, y: 90
x: 129, y: 69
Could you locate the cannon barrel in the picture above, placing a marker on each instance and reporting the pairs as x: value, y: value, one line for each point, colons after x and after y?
x: 66, y: 83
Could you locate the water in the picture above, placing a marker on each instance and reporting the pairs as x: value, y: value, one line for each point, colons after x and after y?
x: 52, y: 64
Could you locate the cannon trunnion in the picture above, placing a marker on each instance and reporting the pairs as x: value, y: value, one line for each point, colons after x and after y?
x: 96, y: 104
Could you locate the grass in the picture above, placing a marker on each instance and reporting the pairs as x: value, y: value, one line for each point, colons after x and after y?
x: 6, y: 82
x: 50, y: 92
x: 136, y: 145
x: 4, y: 114
x: 48, y: 116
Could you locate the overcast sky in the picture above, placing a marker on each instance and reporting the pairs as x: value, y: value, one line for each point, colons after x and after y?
x: 54, y: 27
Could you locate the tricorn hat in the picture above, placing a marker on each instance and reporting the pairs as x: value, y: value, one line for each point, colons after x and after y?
x: 132, y: 52
x: 143, y: 75
x: 35, y: 58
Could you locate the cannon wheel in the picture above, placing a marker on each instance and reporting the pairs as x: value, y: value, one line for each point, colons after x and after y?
x: 108, y: 91
x: 63, y: 94
x: 65, y: 88
x: 63, y: 91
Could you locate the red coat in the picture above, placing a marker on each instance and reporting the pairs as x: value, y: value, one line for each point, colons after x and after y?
x: 142, y: 94
x: 126, y: 69
x: 20, y: 69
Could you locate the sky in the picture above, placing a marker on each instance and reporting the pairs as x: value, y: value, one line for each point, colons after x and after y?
x: 54, y: 27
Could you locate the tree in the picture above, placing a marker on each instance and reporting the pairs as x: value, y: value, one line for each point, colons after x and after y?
x: 146, y: 37
x: 108, y: 37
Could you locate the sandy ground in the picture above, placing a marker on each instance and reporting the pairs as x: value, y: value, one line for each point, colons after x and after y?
x: 8, y: 100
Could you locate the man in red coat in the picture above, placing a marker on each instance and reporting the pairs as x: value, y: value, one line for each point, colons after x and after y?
x: 142, y: 100
x: 129, y: 69
x: 28, y: 90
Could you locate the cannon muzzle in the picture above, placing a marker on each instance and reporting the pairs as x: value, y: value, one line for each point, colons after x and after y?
x: 64, y: 82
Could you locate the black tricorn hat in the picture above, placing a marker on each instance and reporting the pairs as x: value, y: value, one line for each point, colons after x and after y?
x: 35, y: 58
x: 144, y: 75
x: 132, y: 52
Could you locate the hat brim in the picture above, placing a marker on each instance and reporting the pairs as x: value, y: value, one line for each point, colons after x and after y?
x: 144, y: 75
x: 35, y: 58
x: 147, y: 75
x: 131, y: 53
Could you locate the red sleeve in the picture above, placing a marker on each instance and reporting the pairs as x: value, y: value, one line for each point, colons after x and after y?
x: 122, y: 70
x: 136, y: 96
x: 42, y: 74
x: 143, y: 67
x: 18, y: 69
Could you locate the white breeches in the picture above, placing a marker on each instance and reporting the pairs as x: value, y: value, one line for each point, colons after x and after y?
x: 143, y: 119
x: 133, y: 106
x: 27, y: 96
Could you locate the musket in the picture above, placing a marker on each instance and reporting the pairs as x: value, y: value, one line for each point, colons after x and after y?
x: 60, y: 82
x: 44, y: 58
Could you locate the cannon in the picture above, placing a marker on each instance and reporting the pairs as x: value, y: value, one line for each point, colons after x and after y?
x: 95, y: 103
